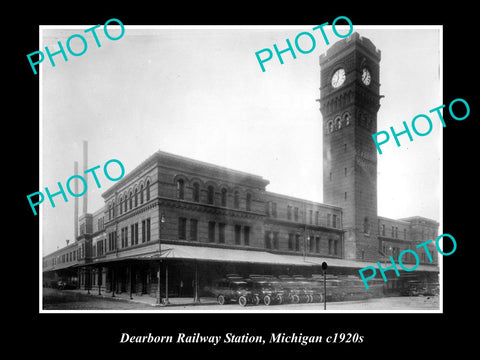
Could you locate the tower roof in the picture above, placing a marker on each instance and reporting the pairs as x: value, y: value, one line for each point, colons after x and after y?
x: 357, y: 40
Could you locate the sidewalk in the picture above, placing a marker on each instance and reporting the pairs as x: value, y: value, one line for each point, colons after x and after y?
x: 147, y: 299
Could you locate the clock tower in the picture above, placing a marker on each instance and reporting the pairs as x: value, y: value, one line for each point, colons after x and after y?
x: 349, y: 102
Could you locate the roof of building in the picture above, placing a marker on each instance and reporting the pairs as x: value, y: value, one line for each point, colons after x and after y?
x: 165, y: 158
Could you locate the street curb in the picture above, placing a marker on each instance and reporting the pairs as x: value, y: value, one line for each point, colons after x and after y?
x: 150, y: 304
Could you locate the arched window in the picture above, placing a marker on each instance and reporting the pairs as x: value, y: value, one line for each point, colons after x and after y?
x: 136, y: 197
x: 141, y: 194
x: 236, y: 199
x: 346, y: 118
x: 224, y: 197
x: 109, y: 211
x: 125, y: 203
x: 180, y: 189
x: 330, y: 126
x: 196, y: 192
x: 113, y: 209
x: 147, y: 190
x: 120, y: 204
x: 338, y: 123
x: 211, y: 193
x: 249, y: 202
x: 130, y: 200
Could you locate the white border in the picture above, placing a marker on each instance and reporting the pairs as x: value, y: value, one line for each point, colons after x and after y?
x: 159, y: 310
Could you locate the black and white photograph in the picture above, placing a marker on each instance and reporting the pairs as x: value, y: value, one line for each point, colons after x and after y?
x: 257, y: 180
x: 238, y: 189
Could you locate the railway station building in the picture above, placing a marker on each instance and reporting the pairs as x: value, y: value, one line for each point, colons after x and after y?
x: 190, y: 222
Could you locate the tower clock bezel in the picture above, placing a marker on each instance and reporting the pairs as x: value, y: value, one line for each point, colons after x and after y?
x: 366, y: 80
x: 340, y: 75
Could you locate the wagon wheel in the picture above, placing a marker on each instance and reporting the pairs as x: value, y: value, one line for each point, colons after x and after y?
x: 242, y: 300
x: 295, y: 299
x: 267, y: 300
x: 256, y: 300
x: 221, y: 299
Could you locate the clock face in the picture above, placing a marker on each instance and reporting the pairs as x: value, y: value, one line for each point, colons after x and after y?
x: 366, y: 77
x: 338, y: 78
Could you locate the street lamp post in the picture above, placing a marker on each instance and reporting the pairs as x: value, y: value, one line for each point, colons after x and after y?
x: 324, y: 269
x: 162, y: 220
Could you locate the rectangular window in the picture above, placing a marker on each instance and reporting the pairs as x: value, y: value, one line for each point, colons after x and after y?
x: 311, y: 216
x: 289, y: 212
x: 132, y: 233
x: 144, y: 231
x: 268, y: 241
x: 221, y: 233
x: 396, y: 232
x: 330, y: 243
x: 311, y: 243
x: 317, y: 244
x: 238, y: 230
x: 290, y: 241
x: 193, y: 229
x: 148, y: 229
x: 334, y: 221
x: 297, y: 242
x: 274, y: 209
x: 317, y: 215
x: 122, y: 237
x: 246, y: 235
x: 136, y: 234
x: 211, y: 231
x: 182, y: 228
x: 335, y: 247
x: 267, y: 208
x: 295, y: 213
x: 329, y: 219
x: 383, y: 229
x: 275, y: 240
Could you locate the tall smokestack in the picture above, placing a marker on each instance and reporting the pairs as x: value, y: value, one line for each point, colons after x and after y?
x: 75, y: 219
x: 85, y: 167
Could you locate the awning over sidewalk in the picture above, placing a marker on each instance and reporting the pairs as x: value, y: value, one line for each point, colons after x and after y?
x: 185, y: 252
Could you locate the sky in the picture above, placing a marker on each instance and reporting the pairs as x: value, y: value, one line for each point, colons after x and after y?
x: 199, y: 92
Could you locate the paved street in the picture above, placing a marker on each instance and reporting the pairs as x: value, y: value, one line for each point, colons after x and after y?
x: 80, y: 300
